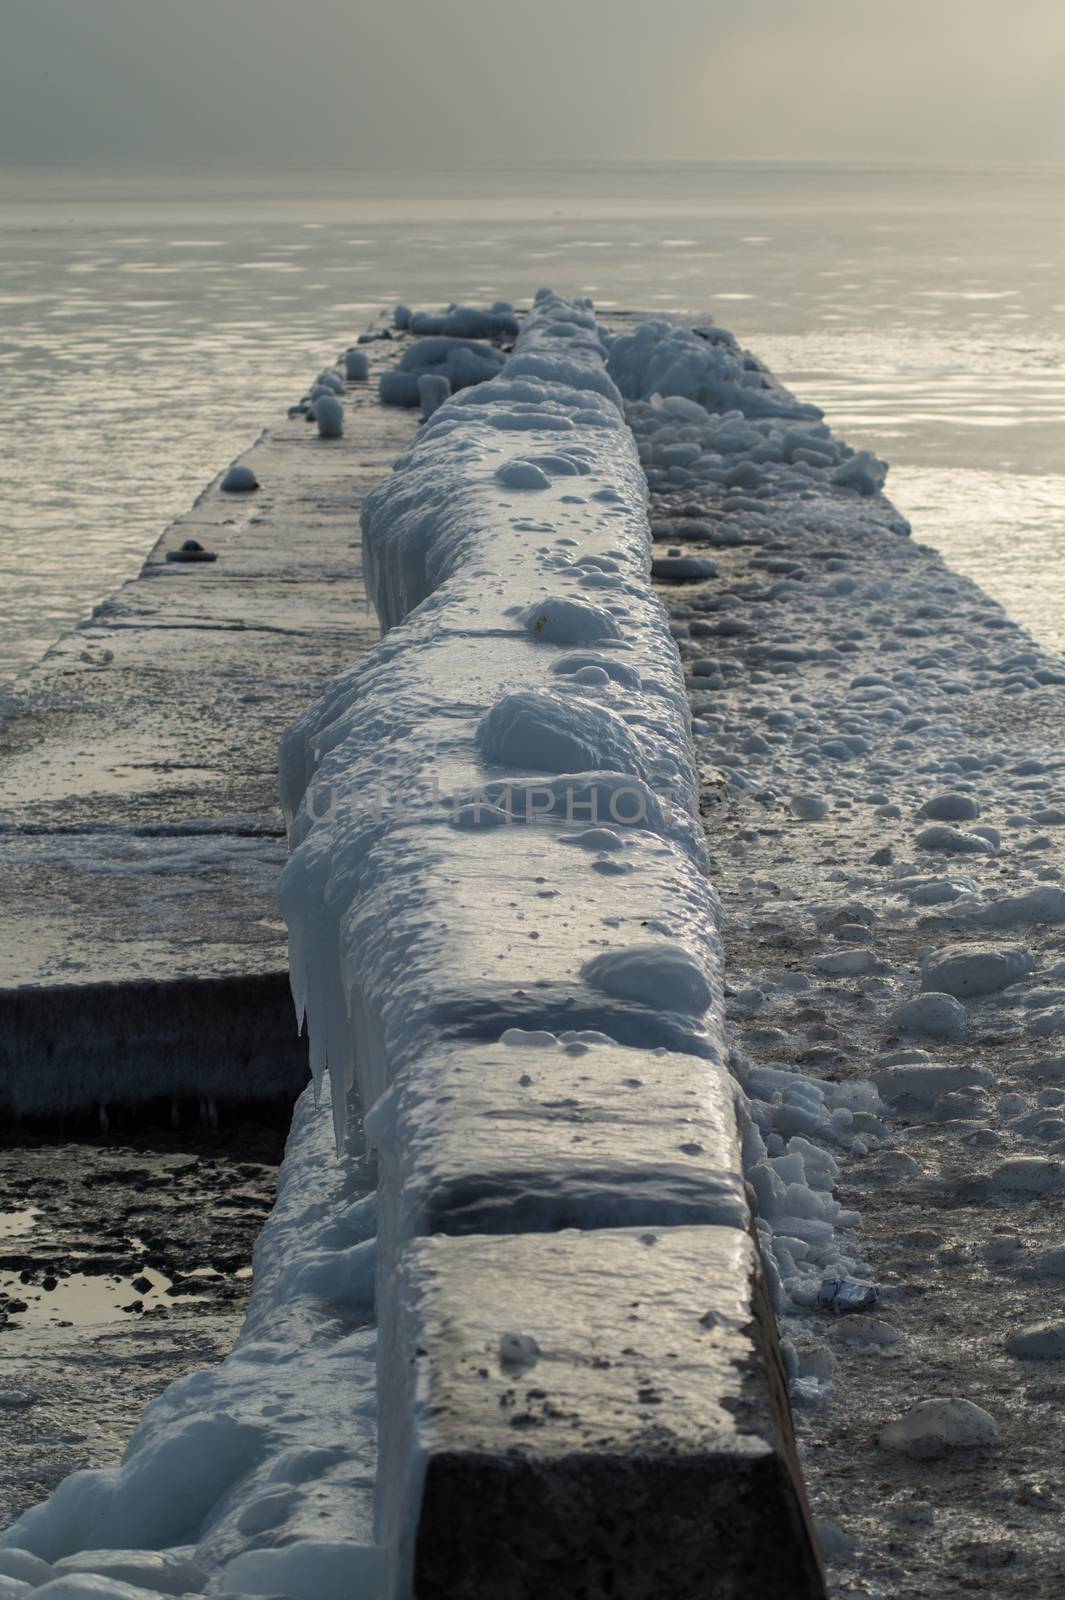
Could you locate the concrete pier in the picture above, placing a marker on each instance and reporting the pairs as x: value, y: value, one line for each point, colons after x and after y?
x: 579, y: 1388
x: 140, y: 833
x: 626, y: 1438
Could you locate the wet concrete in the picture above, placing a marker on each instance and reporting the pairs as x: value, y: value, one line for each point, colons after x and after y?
x: 124, y: 1263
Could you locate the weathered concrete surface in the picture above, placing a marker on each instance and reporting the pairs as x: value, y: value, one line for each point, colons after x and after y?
x: 597, y: 1414
x: 140, y: 833
x: 588, y: 1198
x: 68, y: 1048
x: 497, y: 1139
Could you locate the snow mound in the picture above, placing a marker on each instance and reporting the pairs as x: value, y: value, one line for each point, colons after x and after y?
x: 560, y: 619
x: 547, y: 732
x: 661, y: 975
x: 239, y: 480
x: 329, y: 415
x: 160, y: 1497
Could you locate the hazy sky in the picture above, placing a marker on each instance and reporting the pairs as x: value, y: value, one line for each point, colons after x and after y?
x: 379, y: 83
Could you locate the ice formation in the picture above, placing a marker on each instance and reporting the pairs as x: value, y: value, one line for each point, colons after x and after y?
x: 705, y: 411
x: 466, y: 322
x: 239, y: 480
x: 381, y: 779
x: 462, y: 362
x: 258, y: 1448
x: 329, y: 415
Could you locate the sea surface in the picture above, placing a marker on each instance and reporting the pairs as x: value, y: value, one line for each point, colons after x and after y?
x: 151, y: 324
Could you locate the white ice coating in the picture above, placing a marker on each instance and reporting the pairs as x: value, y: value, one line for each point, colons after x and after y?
x: 704, y: 409
x: 436, y: 791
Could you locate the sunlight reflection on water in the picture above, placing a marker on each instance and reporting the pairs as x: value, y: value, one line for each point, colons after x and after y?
x: 148, y: 330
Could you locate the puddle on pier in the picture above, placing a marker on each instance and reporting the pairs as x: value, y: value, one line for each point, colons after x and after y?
x: 124, y: 1264
x: 17, y: 1224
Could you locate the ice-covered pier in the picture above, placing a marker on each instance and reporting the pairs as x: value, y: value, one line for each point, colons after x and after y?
x: 575, y: 1203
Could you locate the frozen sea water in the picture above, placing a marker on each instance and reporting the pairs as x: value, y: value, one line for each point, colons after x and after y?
x: 149, y: 325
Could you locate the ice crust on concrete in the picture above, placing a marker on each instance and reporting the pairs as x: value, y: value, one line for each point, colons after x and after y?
x: 465, y: 322
x: 483, y: 928
x: 461, y: 804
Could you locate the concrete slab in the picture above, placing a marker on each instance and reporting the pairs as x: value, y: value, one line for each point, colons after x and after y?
x: 535, y: 1138
x: 598, y: 1414
x: 140, y: 831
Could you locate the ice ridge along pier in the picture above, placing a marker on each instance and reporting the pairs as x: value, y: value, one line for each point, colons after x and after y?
x: 518, y: 974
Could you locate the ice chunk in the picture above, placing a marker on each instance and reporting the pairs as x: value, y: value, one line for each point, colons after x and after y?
x: 661, y: 360
x: 1043, y: 1341
x: 976, y: 969
x: 938, y: 1016
x: 954, y: 841
x: 1045, y: 903
x: 467, y: 322
x: 463, y: 362
x: 935, y: 1428
x: 433, y: 389
x: 544, y: 732
x: 329, y: 415
x: 663, y: 975
x: 239, y: 480
x: 864, y: 472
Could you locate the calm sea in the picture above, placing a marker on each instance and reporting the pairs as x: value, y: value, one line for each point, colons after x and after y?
x: 150, y: 325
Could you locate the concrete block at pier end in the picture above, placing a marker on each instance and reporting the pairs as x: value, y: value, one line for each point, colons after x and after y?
x: 535, y: 1136
x: 595, y: 1414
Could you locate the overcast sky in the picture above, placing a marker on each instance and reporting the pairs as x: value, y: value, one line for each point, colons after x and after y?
x: 383, y: 83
